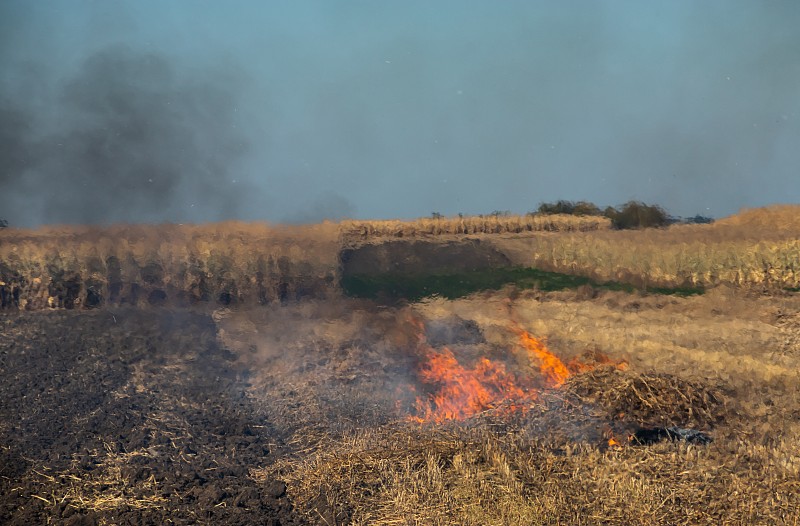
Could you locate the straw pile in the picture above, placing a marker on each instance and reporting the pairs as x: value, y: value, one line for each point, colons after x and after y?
x: 496, y: 469
x: 647, y: 399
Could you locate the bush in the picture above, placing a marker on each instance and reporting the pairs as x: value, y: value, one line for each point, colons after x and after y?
x: 581, y: 208
x: 559, y: 207
x: 700, y: 220
x: 3, y: 223
x: 632, y: 214
x: 585, y: 208
x: 635, y: 214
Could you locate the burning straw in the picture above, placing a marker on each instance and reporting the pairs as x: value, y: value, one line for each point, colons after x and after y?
x: 457, y: 391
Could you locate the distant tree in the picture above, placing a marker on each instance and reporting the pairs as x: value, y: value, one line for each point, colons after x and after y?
x: 585, y: 208
x: 610, y: 212
x: 581, y: 208
x: 699, y: 220
x: 635, y: 214
x: 436, y: 215
x: 3, y: 223
x: 632, y: 214
x: 501, y: 213
x: 559, y: 207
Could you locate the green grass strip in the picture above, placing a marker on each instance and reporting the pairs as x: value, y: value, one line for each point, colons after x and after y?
x: 414, y: 287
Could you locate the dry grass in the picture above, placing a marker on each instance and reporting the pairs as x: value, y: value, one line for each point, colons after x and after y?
x: 74, y: 267
x: 355, y: 231
x: 105, y: 488
x: 777, y: 220
x: 726, y: 363
x: 227, y: 262
x: 755, y: 248
x: 528, y: 472
x: 471, y: 477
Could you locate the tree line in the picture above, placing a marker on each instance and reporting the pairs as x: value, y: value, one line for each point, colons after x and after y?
x: 633, y: 214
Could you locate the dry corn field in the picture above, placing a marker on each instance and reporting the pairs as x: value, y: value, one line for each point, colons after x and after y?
x: 75, y: 267
x: 355, y: 231
x: 757, y: 248
x: 68, y: 267
x: 217, y: 375
x: 257, y: 264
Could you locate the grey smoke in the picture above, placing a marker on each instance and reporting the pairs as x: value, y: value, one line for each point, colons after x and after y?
x: 394, y: 108
x: 132, y: 138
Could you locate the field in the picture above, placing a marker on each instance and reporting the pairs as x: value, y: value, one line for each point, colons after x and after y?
x: 273, y: 397
x: 757, y: 248
x: 721, y: 363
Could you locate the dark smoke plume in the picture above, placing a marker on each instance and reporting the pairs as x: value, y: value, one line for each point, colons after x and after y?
x: 128, y: 138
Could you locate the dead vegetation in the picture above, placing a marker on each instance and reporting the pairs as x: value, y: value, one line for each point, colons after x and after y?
x: 353, y: 231
x: 238, y: 263
x: 719, y: 363
x: 108, y: 487
x: 225, y: 263
x: 757, y: 248
x: 551, y: 466
x: 647, y: 398
x: 336, y: 376
x: 476, y: 477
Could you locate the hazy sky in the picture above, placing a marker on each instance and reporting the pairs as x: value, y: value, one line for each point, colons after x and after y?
x: 293, y: 111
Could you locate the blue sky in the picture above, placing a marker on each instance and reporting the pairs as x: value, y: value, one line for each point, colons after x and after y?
x: 150, y: 111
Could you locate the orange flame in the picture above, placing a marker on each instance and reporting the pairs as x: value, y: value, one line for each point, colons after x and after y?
x: 460, y: 391
x: 551, y: 367
x: 463, y: 391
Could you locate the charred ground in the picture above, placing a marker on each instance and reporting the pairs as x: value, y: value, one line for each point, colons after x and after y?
x: 129, y: 417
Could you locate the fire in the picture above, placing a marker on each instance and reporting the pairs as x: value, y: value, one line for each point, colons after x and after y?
x: 464, y: 391
x: 553, y: 369
x: 459, y: 391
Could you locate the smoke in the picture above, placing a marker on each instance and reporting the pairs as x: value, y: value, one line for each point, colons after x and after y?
x: 14, y: 127
x: 329, y: 205
x: 318, y: 110
x: 129, y: 137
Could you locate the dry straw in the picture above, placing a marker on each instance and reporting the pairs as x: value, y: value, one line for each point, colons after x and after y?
x: 76, y: 267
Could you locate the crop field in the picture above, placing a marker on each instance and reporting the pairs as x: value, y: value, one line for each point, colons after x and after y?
x: 757, y: 248
x: 355, y: 231
x: 224, y: 374
x: 240, y: 263
x: 85, y: 267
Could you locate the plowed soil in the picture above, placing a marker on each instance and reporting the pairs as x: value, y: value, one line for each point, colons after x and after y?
x: 129, y: 417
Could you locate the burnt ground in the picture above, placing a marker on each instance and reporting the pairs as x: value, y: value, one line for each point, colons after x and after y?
x: 130, y: 417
